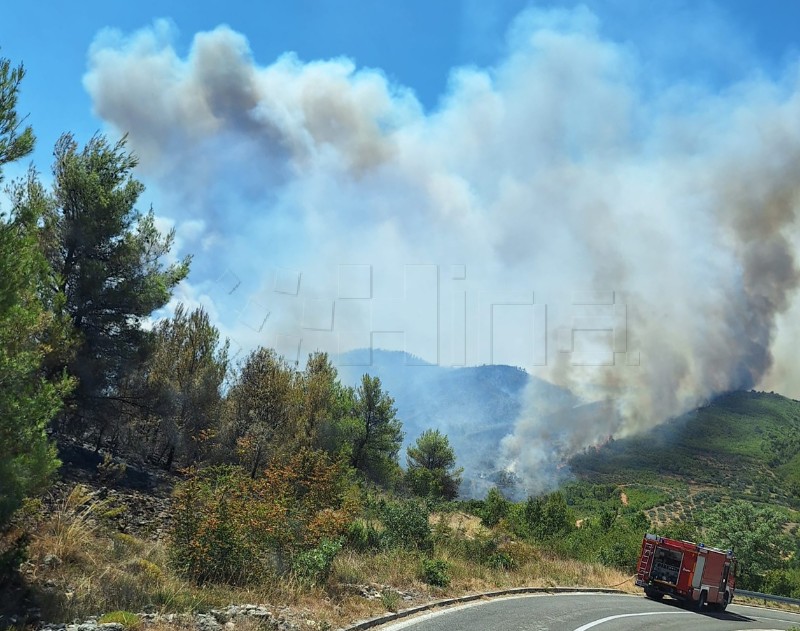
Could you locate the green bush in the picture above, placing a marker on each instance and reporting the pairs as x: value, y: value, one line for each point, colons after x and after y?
x: 621, y: 554
x: 495, y: 508
x: 313, y: 566
x: 406, y: 525
x: 480, y: 549
x: 362, y: 536
x: 436, y: 572
x: 501, y: 561
x: 231, y: 528
x: 125, y: 618
x: 390, y: 599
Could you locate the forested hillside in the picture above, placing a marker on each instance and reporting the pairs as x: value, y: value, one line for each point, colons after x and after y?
x: 744, y: 445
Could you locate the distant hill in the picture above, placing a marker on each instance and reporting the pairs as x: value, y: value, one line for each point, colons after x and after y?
x: 475, y: 406
x: 743, y: 445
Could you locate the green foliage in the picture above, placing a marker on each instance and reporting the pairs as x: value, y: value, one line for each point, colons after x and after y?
x: 109, y: 471
x: 184, y: 378
x: 109, y: 260
x: 406, y: 525
x: 127, y: 619
x: 29, y: 398
x: 779, y: 582
x: 374, y: 434
x: 314, y: 566
x: 431, y: 467
x: 436, y: 572
x: 543, y: 518
x: 324, y: 403
x: 501, y: 561
x: 13, y: 551
x: 229, y: 527
x: 481, y: 548
x: 746, y: 444
x: 621, y: 553
x: 495, y: 507
x: 755, y: 535
x: 390, y: 599
x: 263, y: 406
x: 556, y: 518
x: 363, y: 536
x: 15, y: 142
x: 682, y: 530
x: 616, y: 544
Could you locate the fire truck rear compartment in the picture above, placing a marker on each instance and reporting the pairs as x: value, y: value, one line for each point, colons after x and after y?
x: 666, y: 566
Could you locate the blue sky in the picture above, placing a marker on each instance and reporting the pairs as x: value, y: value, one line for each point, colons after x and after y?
x: 446, y: 177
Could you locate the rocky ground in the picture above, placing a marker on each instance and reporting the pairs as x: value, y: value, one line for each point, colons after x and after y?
x: 281, y: 618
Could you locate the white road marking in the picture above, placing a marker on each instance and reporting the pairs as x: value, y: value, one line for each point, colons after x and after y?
x: 594, y: 623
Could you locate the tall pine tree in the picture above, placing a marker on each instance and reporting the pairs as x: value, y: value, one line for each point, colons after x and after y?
x: 28, y: 400
x: 109, y: 260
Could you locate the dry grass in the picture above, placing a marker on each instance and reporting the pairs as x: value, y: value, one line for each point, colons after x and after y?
x: 460, y: 524
x: 755, y: 602
x: 79, y: 567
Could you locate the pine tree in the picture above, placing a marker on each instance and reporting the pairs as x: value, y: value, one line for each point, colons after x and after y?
x: 376, y: 433
x: 109, y: 260
x: 184, y: 377
x: 28, y: 400
x: 431, y: 465
x: 263, y: 410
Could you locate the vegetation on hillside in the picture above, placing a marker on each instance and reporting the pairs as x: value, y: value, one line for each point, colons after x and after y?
x: 745, y: 444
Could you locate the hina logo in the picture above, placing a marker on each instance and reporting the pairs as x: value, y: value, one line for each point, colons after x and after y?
x: 433, y: 315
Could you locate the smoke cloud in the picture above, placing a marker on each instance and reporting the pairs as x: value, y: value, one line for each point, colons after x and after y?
x: 552, y: 174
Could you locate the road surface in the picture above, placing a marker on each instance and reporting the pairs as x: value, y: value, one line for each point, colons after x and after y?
x: 598, y: 612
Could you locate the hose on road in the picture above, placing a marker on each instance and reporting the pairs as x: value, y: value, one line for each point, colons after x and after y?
x: 630, y: 578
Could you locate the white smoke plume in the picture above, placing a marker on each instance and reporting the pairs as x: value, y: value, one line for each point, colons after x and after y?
x: 551, y: 172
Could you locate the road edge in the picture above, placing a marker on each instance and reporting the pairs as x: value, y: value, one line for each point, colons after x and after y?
x: 447, y: 602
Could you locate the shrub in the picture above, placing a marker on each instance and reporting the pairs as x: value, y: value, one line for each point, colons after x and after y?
x: 13, y: 551
x: 145, y: 568
x: 619, y: 554
x: 125, y: 618
x: 108, y: 471
x: 363, y: 536
x: 501, y: 561
x: 406, y: 525
x: 436, y: 572
x: 390, y: 599
x: 313, y: 566
x: 495, y: 507
x: 229, y: 527
x: 480, y: 549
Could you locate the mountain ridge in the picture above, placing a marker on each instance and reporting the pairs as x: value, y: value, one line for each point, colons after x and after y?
x: 743, y: 443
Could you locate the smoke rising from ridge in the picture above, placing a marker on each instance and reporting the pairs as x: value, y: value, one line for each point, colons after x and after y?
x: 550, y: 173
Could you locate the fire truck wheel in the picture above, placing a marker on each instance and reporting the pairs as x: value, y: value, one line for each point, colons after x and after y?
x: 701, y: 602
x: 653, y: 595
x: 724, y: 604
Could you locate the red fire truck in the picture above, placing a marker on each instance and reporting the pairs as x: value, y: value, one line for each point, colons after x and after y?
x: 690, y: 572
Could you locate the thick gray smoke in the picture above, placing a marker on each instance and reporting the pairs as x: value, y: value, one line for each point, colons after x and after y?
x: 551, y: 173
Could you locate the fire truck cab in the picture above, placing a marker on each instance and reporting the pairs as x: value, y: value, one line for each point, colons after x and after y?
x: 690, y: 572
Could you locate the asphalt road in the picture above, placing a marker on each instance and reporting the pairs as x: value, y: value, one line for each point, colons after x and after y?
x: 600, y: 612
